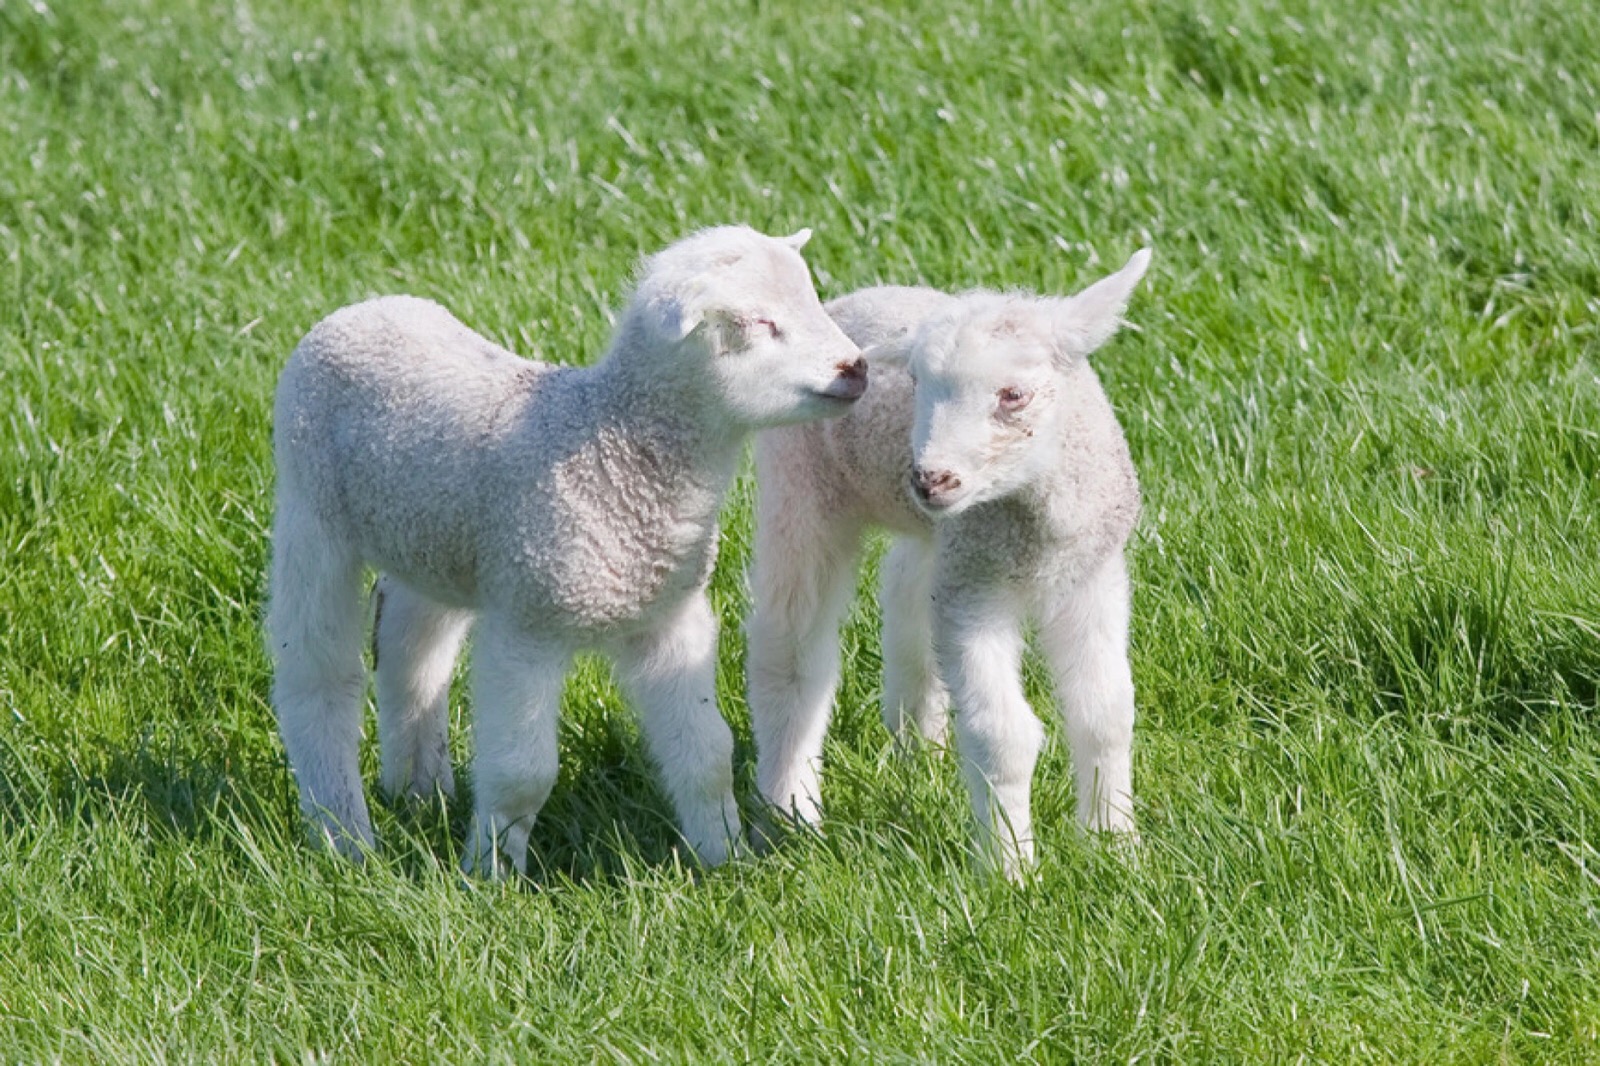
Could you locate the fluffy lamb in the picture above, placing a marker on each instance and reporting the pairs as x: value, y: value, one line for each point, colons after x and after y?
x: 988, y: 448
x: 556, y: 509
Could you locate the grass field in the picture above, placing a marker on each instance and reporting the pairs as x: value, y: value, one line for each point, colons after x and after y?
x: 1364, y: 398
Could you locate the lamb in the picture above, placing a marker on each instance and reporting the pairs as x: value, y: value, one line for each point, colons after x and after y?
x: 987, y: 447
x: 554, y: 509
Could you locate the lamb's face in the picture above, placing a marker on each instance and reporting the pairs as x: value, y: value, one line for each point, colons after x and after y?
x: 989, y: 392
x: 753, y: 329
x: 994, y: 379
x: 775, y: 355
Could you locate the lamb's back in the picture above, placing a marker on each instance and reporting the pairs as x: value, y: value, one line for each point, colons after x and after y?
x: 886, y: 312
x: 384, y: 416
x: 402, y: 356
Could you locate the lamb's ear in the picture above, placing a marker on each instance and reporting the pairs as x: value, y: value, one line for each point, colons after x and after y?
x: 722, y: 329
x: 895, y: 351
x: 682, y: 312
x: 1086, y: 321
x: 797, y: 240
x: 726, y: 331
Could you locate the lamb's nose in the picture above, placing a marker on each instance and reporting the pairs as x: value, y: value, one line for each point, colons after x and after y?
x: 931, y: 483
x: 851, y: 381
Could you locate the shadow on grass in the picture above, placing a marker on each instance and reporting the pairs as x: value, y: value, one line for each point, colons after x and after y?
x: 1473, y: 651
x: 605, y: 820
x: 600, y: 826
x: 164, y: 792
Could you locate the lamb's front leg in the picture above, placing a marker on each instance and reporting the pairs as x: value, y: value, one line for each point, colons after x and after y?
x: 1085, y: 637
x: 978, y: 642
x: 516, y: 696
x: 670, y: 674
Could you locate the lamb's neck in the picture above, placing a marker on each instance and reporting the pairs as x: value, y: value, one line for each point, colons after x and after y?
x: 673, y: 426
x: 1067, y: 491
x: 1044, y: 503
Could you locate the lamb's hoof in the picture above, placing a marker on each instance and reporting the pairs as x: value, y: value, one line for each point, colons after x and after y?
x: 1012, y: 868
x: 425, y: 781
x: 435, y: 797
x: 765, y: 833
x: 1125, y: 845
x: 495, y: 856
x: 351, y: 844
x: 710, y: 854
x: 909, y: 739
x: 770, y: 828
x: 491, y: 868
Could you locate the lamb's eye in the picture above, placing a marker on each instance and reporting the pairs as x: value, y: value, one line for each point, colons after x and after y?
x: 1013, y: 399
x: 770, y: 326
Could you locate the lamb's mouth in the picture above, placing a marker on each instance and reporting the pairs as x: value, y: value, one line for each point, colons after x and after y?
x: 842, y: 391
x: 937, y: 505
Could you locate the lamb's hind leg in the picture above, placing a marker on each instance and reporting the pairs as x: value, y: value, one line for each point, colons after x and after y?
x: 801, y: 581
x: 916, y: 706
x: 314, y: 630
x: 415, y: 642
x: 1086, y: 640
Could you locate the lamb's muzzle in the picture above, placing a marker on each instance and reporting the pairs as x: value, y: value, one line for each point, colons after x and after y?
x: 851, y: 383
x: 935, y: 488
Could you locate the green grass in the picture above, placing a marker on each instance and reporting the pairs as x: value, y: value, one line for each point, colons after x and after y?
x: 1364, y: 401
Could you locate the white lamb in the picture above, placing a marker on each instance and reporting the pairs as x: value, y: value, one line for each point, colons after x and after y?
x: 559, y: 509
x: 987, y: 445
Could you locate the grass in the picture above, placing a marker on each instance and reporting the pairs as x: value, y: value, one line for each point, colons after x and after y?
x: 1363, y: 398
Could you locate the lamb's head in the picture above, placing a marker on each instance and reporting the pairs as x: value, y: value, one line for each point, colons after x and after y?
x: 739, y: 313
x: 993, y: 382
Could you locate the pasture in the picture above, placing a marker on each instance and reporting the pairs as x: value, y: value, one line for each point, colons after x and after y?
x: 1363, y: 396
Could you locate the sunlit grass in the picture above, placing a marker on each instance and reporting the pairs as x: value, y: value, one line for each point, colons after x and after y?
x: 1363, y: 397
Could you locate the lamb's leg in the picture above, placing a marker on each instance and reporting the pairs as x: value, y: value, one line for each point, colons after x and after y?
x: 978, y: 641
x: 314, y: 630
x: 516, y: 703
x: 414, y: 646
x: 916, y: 706
x: 671, y: 676
x: 1086, y: 640
x: 801, y: 580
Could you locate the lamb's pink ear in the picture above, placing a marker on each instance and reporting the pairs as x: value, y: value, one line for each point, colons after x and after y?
x: 722, y: 330
x: 683, y: 311
x: 1086, y: 321
x: 895, y: 351
x: 727, y: 331
x: 797, y: 240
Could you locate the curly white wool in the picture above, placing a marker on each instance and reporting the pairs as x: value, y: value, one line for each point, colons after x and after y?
x: 558, y: 509
x: 987, y: 446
